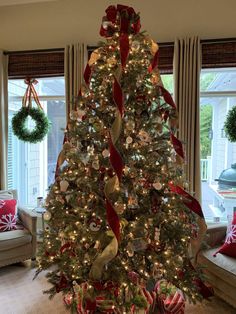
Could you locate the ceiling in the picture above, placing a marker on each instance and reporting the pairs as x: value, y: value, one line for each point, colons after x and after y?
x: 18, y: 2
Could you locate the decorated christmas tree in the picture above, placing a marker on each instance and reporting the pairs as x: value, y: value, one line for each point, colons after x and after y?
x: 118, y: 217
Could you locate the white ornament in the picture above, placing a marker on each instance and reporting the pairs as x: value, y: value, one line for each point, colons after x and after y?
x: 64, y: 185
x: 105, y: 153
x: 95, y: 225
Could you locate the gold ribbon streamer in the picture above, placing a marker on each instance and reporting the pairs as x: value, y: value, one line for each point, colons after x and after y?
x: 105, y: 257
x: 111, y: 249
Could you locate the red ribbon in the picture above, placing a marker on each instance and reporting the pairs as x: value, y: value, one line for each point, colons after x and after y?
x: 67, y: 247
x: 116, y: 160
x: 167, y: 97
x: 154, y: 62
x: 191, y: 202
x: 123, y: 17
x: 177, y: 145
x: 118, y: 96
x: 63, y: 284
x: 113, y: 219
x: 124, y: 48
x: 87, y: 74
x: 30, y: 92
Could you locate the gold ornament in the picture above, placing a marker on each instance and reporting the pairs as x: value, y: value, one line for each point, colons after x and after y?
x: 64, y: 185
x: 129, y: 140
x: 135, y: 45
x: 95, y: 164
x: 47, y: 216
x: 130, y: 125
x: 144, y: 137
x: 157, y: 186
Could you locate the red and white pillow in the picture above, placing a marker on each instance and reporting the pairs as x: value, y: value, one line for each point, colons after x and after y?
x: 8, y: 215
x: 229, y: 247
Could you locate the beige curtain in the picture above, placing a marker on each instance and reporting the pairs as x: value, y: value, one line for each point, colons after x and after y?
x: 75, y: 61
x: 187, y: 66
x: 3, y: 119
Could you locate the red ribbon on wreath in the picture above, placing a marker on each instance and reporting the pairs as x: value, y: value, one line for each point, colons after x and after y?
x: 30, y: 94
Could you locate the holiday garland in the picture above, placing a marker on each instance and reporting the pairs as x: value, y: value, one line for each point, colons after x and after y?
x: 230, y: 125
x: 19, y: 120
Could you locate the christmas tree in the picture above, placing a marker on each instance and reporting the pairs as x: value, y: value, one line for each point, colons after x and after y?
x: 118, y: 216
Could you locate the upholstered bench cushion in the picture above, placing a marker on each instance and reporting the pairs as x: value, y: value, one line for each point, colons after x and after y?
x: 221, y: 265
x: 14, y: 238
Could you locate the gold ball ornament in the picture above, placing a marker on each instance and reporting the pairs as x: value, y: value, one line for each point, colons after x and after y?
x: 47, y: 216
x: 157, y: 185
x: 135, y: 45
x: 129, y: 140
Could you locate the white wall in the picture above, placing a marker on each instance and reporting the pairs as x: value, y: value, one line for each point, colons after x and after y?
x: 53, y: 24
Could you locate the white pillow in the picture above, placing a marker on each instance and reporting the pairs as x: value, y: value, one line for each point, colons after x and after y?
x: 6, y: 195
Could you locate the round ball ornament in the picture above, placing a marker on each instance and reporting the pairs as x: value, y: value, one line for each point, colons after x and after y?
x: 157, y: 185
x: 22, y: 132
x: 47, y: 216
x: 135, y: 45
x: 230, y: 125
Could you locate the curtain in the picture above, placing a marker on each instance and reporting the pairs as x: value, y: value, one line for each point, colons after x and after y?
x: 3, y: 119
x: 187, y: 66
x: 75, y: 60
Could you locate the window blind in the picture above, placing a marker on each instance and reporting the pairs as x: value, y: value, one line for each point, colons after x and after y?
x: 46, y: 63
x: 219, y: 53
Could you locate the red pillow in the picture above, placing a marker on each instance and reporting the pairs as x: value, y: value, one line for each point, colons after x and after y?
x: 7, y: 215
x: 229, y: 247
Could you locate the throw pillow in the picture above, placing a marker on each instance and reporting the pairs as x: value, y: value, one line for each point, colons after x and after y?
x: 7, y: 215
x: 6, y: 195
x: 229, y: 247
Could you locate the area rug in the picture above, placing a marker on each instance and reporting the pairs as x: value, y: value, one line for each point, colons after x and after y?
x: 19, y: 294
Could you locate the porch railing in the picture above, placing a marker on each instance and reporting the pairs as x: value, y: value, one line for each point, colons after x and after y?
x: 205, y: 169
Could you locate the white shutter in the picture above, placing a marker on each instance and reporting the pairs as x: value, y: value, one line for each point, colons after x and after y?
x: 10, y: 160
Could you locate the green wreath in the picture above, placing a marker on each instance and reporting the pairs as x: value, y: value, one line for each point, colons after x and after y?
x: 22, y: 132
x: 230, y: 125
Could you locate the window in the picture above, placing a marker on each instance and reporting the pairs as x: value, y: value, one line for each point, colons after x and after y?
x: 31, y: 167
x: 168, y: 82
x: 218, y: 96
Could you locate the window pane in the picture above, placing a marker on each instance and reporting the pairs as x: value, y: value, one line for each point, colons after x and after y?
x: 218, y: 80
x: 217, y: 153
x: 168, y: 81
x: 31, y: 167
